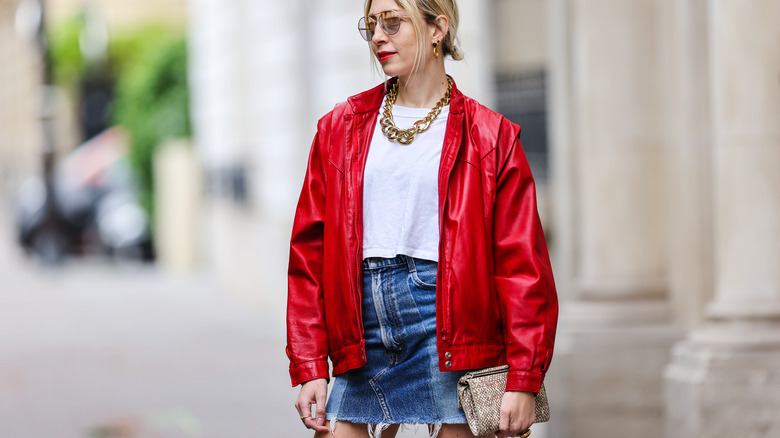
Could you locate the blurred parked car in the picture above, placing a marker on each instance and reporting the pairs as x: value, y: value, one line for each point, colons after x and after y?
x: 95, y: 208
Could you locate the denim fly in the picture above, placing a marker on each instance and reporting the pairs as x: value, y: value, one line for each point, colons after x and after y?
x: 401, y: 381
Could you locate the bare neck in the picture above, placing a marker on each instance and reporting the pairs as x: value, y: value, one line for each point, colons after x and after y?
x: 424, y: 89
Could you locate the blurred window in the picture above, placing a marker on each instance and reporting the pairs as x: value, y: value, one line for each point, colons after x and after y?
x: 229, y: 182
x: 522, y: 98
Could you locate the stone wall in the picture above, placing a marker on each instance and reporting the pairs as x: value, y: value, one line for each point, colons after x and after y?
x: 20, y: 138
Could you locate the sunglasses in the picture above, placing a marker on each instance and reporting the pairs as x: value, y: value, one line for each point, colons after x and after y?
x: 389, y: 20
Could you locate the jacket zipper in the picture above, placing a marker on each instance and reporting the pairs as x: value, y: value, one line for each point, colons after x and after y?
x: 358, y: 284
x: 445, y: 304
x: 443, y: 185
x: 358, y: 239
x: 445, y: 297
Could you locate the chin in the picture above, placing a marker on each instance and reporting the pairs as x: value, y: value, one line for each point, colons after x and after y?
x: 395, y: 72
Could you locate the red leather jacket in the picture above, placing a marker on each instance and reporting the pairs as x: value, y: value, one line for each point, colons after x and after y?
x: 495, y: 297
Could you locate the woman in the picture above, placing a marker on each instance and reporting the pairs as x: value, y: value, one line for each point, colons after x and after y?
x: 417, y: 252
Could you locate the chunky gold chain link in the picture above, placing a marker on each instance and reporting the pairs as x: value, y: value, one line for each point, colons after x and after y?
x: 406, y: 136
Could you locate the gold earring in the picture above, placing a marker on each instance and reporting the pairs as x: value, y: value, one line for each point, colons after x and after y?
x: 435, y: 50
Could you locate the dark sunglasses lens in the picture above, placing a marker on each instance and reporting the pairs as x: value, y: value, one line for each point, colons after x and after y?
x: 391, y: 25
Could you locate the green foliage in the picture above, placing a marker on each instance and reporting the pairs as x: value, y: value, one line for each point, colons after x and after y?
x: 68, y: 62
x: 152, y: 96
x: 149, y: 67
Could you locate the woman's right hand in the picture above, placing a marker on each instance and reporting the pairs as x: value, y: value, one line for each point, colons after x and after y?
x: 313, y: 392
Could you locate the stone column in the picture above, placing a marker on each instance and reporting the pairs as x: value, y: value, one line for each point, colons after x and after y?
x: 724, y: 380
x: 279, y: 95
x: 340, y: 63
x: 475, y: 73
x: 219, y: 80
x: 178, y: 199
x: 690, y: 155
x: 610, y: 243
x: 20, y: 73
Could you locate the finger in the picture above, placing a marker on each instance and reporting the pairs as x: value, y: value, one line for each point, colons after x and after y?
x: 304, y: 399
x: 304, y: 408
x: 307, y: 420
x: 521, y: 424
x: 526, y: 423
x: 515, y: 430
x: 320, y: 398
x: 311, y: 423
x: 503, y: 424
x: 521, y: 427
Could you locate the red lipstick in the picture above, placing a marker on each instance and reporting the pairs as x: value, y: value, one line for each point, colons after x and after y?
x: 384, y: 56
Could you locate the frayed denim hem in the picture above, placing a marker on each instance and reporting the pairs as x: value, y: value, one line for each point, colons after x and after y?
x: 375, y: 429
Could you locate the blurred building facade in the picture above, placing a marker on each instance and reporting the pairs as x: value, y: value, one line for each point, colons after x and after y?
x: 665, y: 115
x: 119, y: 14
x: 664, y: 201
x: 21, y: 76
x: 20, y: 136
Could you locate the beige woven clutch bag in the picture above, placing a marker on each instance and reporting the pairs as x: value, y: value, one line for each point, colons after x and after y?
x: 480, y: 393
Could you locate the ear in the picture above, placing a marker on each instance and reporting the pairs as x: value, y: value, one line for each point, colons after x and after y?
x: 440, y: 27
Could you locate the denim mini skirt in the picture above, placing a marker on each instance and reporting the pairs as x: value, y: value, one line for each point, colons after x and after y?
x: 401, y: 381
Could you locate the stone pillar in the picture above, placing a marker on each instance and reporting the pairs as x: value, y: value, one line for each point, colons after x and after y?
x: 218, y: 75
x: 690, y: 191
x: 20, y: 76
x: 724, y: 380
x: 251, y: 98
x: 475, y: 73
x: 220, y: 81
x: 178, y: 200
x: 278, y: 101
x: 611, y: 251
x: 340, y: 62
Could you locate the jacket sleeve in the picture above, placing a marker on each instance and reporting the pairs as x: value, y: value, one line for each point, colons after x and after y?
x: 307, y: 337
x: 523, y: 275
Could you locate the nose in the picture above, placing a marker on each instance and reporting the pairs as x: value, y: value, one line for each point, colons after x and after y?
x: 379, y: 35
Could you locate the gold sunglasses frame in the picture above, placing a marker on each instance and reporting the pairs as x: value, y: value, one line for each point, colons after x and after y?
x: 368, y: 35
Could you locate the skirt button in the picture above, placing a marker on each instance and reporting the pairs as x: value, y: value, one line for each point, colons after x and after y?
x: 447, y: 355
x: 448, y: 364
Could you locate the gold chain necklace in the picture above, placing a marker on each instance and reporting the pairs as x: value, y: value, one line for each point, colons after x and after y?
x: 406, y: 136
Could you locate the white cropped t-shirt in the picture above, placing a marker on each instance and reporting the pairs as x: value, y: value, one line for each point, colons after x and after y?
x: 400, y: 189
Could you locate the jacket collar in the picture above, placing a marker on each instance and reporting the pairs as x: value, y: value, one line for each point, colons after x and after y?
x: 370, y: 100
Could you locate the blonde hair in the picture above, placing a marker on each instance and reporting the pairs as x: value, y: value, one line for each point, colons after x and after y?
x: 424, y: 12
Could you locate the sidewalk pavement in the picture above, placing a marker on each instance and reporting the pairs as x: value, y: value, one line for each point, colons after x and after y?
x: 97, y: 350
x: 100, y: 350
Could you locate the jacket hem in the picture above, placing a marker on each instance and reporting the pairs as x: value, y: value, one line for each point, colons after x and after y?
x: 310, y: 370
x: 470, y: 357
x: 524, y: 381
x: 348, y: 357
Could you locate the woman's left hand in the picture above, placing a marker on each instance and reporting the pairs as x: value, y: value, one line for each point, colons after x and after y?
x: 518, y: 412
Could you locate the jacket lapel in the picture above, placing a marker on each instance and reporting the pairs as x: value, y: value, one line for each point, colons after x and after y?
x: 453, y: 137
x: 360, y: 122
